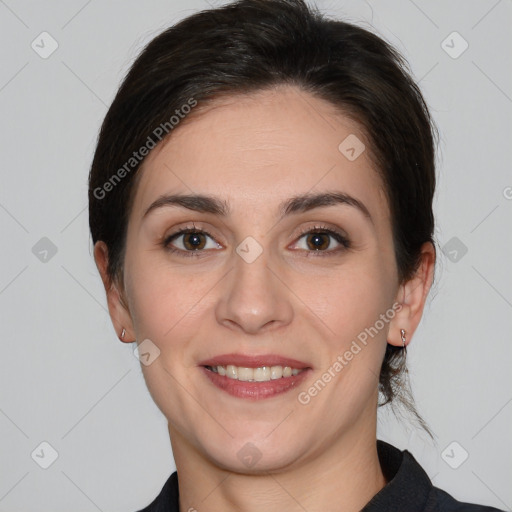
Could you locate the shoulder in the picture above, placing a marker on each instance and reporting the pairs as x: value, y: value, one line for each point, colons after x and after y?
x: 168, y: 499
x: 441, y: 501
x: 409, y: 487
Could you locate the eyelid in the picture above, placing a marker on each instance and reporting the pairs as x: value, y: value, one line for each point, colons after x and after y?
x: 321, y: 227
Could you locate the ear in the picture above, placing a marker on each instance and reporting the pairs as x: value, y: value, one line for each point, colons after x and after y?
x: 412, y: 296
x: 119, y: 313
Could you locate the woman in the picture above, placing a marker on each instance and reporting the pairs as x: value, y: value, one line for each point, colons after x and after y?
x: 261, y: 208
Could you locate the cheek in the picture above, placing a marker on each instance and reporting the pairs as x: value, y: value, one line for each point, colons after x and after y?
x: 162, y: 299
x: 349, y: 300
x: 356, y: 305
x: 165, y: 306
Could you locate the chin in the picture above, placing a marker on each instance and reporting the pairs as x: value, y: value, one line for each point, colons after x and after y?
x: 253, y: 455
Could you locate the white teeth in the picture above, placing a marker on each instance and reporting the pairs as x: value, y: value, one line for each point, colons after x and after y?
x: 245, y: 374
x: 231, y: 371
x: 276, y: 372
x: 260, y: 374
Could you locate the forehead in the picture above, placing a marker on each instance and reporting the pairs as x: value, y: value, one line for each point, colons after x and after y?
x: 262, y: 148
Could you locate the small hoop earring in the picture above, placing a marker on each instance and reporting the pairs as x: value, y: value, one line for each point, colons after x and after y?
x: 123, y: 333
x: 402, y: 334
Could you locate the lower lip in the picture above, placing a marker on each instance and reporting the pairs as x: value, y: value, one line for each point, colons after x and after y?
x: 255, y: 390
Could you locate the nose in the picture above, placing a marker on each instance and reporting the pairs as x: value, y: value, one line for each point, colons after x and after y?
x: 254, y: 297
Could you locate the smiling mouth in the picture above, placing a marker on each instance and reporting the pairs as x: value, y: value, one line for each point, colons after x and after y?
x: 259, y: 374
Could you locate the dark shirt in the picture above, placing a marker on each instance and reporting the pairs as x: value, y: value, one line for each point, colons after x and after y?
x: 409, y: 489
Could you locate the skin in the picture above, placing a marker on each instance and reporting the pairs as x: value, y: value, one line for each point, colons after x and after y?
x: 254, y: 152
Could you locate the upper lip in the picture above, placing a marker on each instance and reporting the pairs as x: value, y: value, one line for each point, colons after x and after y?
x: 255, y: 361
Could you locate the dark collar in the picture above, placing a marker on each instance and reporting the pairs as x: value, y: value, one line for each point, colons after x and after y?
x: 408, y: 486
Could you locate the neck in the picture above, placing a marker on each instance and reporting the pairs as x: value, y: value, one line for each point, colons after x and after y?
x: 344, y: 478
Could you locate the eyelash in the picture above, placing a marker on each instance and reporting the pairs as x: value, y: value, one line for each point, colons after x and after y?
x: 341, y: 239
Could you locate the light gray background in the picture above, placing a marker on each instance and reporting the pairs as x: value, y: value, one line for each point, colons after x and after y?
x: 64, y: 377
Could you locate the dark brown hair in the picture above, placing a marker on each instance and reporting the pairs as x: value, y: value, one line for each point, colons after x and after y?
x: 251, y: 45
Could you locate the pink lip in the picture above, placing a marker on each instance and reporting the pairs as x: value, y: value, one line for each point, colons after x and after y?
x: 255, y: 390
x: 254, y: 361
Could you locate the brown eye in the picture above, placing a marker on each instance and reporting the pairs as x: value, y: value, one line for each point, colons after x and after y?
x: 190, y: 242
x: 322, y: 241
x: 318, y: 241
x: 194, y: 241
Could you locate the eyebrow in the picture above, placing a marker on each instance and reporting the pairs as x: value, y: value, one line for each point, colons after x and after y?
x: 296, y: 204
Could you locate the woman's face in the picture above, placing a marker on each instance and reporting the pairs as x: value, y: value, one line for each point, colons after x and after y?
x: 281, y: 278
